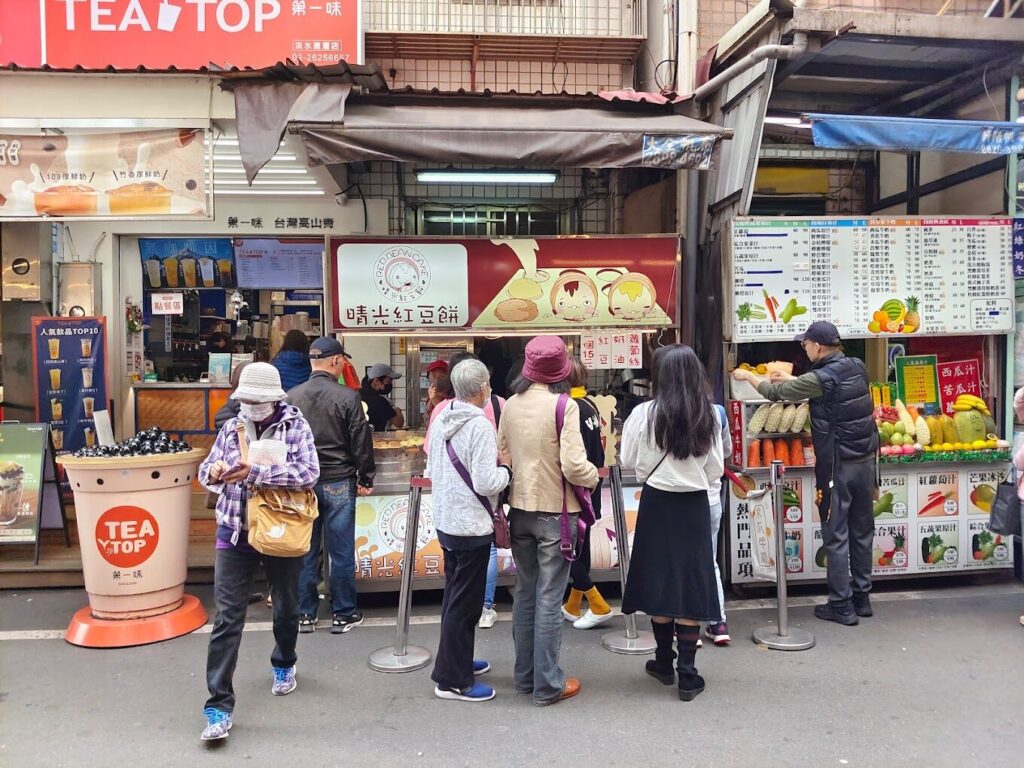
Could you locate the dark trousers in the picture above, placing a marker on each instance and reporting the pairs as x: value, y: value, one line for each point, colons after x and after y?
x: 465, y: 573
x: 233, y: 577
x: 336, y: 528
x: 848, y: 530
x: 579, y: 570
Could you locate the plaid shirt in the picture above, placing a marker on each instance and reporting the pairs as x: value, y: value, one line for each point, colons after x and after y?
x: 301, y: 471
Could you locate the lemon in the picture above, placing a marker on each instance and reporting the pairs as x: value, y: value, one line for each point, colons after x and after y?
x: 959, y: 446
x: 947, y: 446
x: 990, y: 443
x: 979, y: 445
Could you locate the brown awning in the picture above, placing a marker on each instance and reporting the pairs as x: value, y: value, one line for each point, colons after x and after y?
x: 537, y: 132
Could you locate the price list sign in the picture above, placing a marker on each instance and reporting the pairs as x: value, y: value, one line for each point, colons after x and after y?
x: 871, y: 277
x: 611, y: 350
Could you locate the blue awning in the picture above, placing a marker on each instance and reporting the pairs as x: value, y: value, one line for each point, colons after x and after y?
x: 912, y: 134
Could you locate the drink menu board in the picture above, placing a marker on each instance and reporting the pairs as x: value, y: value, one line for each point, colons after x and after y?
x: 871, y: 277
x: 70, y: 361
x: 278, y: 264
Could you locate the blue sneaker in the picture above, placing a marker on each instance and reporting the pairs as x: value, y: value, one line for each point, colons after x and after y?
x: 284, y: 681
x: 478, y: 692
x: 481, y: 667
x: 218, y: 724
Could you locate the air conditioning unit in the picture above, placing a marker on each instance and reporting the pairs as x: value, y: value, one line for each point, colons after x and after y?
x: 26, y: 253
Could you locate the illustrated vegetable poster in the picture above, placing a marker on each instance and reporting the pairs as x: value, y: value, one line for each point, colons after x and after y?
x: 981, y: 490
x: 938, y: 545
x: 984, y: 548
x: 893, y: 500
x: 938, y: 494
x: 889, y: 550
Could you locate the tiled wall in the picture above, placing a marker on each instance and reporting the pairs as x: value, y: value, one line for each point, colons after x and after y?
x: 382, y: 182
x: 503, y: 76
x: 846, y: 190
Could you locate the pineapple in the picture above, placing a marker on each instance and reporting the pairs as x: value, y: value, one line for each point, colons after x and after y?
x: 912, y: 320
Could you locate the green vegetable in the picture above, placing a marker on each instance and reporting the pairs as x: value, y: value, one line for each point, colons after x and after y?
x: 791, y: 310
x: 750, y: 311
x: 884, y: 504
x: 790, y: 498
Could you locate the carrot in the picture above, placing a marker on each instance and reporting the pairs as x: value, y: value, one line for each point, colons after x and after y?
x: 754, y: 454
x: 782, y: 451
x: 796, y: 452
x: 767, y: 453
x: 768, y: 303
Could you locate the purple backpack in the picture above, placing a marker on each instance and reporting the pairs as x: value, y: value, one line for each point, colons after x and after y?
x: 587, y: 517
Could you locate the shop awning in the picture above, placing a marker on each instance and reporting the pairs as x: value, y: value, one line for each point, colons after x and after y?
x: 911, y: 134
x: 515, y: 132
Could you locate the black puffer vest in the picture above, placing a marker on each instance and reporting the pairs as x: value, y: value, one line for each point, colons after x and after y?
x: 841, y: 419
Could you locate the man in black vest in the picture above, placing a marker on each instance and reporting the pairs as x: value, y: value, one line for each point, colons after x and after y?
x: 846, y: 468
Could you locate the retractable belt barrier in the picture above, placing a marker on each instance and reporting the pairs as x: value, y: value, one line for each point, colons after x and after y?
x: 632, y: 642
x: 402, y: 657
x: 781, y: 637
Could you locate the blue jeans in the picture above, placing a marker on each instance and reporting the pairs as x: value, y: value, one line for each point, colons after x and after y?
x: 492, y: 578
x: 541, y: 577
x: 336, y: 527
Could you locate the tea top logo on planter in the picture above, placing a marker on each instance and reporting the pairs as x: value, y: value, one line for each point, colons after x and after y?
x: 127, y: 536
x: 402, y: 274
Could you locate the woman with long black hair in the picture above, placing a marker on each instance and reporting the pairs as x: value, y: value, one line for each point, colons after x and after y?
x: 675, y: 445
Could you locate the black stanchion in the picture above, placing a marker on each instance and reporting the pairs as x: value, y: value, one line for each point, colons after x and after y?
x: 633, y: 642
x: 402, y: 657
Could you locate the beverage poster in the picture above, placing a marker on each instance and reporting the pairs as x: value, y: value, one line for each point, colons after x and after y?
x: 22, y: 451
x: 70, y: 364
x: 199, y: 262
x: 137, y: 174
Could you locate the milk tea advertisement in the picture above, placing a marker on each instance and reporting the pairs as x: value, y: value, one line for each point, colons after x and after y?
x: 136, y: 174
x: 22, y: 448
x: 559, y: 283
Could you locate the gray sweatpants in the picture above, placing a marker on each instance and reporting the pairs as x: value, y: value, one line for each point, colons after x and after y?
x: 848, y: 530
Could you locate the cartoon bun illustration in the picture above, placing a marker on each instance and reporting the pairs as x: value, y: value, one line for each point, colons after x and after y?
x: 516, y: 311
x: 632, y: 296
x: 574, y: 296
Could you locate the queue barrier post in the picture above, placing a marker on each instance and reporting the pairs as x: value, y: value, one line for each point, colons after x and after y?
x: 781, y: 637
x: 633, y: 642
x: 402, y: 657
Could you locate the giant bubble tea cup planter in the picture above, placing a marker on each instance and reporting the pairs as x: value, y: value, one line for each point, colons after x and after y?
x: 133, y: 515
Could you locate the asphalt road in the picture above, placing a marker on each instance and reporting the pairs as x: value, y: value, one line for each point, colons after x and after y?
x: 935, y: 678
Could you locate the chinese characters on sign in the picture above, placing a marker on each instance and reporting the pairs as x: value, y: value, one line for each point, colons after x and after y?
x: 871, y: 277
x: 916, y: 383
x: 960, y: 377
x: 289, y: 223
x: 70, y: 361
x: 167, y: 303
x: 1018, y: 241
x: 612, y: 350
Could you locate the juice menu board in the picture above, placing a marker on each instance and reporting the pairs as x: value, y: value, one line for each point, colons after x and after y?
x: 70, y: 362
x: 278, y: 264
x: 871, y: 277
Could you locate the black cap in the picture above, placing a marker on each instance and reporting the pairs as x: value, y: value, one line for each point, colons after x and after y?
x: 822, y: 332
x: 326, y: 346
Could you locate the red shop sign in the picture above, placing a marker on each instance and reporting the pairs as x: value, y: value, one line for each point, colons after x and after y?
x: 558, y: 283
x: 187, y: 34
x: 959, y: 377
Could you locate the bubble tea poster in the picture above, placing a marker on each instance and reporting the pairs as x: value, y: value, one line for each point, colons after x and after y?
x: 70, y: 363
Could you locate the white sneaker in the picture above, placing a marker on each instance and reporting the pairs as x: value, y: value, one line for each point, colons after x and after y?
x: 591, y: 619
x: 488, y: 618
x: 570, y: 616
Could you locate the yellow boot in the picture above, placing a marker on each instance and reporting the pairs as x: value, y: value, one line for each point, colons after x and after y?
x: 571, y: 608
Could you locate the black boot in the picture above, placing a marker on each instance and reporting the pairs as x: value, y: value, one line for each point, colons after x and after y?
x: 661, y: 667
x: 862, y: 604
x: 690, y: 683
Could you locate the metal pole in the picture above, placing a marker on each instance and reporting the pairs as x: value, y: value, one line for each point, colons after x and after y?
x: 633, y: 642
x: 781, y: 637
x: 402, y: 657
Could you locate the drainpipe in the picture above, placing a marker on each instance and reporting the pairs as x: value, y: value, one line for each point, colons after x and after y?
x: 691, y: 244
x: 779, y: 52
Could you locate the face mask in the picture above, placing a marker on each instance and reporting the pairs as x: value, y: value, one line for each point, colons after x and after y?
x: 257, y: 411
x: 387, y: 389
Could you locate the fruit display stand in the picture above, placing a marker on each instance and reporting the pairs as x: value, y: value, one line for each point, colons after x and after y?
x: 931, y: 516
x: 133, y: 526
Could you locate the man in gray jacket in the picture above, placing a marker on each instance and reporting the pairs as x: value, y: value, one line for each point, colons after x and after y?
x: 464, y: 525
x: 344, y: 445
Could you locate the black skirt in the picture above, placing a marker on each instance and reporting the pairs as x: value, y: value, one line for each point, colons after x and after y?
x: 671, y: 571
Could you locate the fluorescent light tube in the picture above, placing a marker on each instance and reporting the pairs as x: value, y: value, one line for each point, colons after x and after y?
x: 455, y: 176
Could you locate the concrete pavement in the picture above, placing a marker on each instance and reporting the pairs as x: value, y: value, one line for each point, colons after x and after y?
x: 934, y: 678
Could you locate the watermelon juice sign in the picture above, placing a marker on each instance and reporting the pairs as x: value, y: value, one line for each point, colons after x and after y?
x: 559, y: 284
x: 187, y: 34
